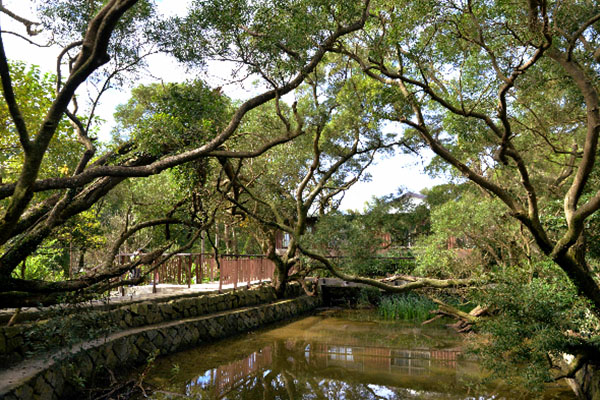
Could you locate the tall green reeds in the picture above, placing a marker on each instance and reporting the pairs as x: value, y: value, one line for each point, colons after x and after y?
x: 407, y: 307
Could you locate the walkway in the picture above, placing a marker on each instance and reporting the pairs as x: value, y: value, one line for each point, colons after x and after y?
x: 133, y: 294
x: 144, y: 292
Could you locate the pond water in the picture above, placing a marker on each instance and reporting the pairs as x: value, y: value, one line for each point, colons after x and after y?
x: 331, y: 355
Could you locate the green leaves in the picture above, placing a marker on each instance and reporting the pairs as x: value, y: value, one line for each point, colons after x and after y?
x: 68, y: 22
x: 166, y: 118
x: 34, y: 92
x: 273, y: 38
x: 384, y: 228
x: 533, y: 319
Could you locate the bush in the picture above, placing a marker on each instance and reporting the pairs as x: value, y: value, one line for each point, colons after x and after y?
x: 534, y: 322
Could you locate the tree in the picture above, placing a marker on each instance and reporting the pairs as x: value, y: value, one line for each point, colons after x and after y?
x: 484, y: 127
x: 108, y: 31
x: 284, y: 188
x: 373, y: 243
x: 507, y: 95
x: 37, y: 92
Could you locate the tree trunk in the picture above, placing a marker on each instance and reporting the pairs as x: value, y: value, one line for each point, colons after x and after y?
x: 280, y: 278
x: 586, y: 382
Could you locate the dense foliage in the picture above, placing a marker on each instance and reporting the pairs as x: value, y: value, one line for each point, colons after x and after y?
x: 505, y: 94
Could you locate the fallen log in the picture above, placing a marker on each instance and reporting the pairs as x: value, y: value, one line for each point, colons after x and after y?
x: 465, y: 321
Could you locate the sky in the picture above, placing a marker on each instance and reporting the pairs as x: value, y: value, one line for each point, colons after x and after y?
x: 388, y: 174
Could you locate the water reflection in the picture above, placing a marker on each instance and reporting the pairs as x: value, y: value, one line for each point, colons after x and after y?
x: 333, y: 361
x: 329, y: 357
x: 217, y: 382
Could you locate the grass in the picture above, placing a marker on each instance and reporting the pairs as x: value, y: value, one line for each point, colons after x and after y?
x: 407, y: 307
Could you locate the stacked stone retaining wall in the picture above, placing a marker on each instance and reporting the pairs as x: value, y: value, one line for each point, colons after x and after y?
x: 59, y: 327
x: 65, y: 373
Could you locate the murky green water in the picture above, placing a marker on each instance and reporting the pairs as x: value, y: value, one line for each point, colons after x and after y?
x: 339, y: 355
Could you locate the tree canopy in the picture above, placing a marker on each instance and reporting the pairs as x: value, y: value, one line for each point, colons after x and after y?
x: 102, y: 38
x: 505, y: 94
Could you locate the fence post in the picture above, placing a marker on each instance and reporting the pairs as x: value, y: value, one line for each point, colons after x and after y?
x: 198, y: 265
x: 189, y: 271
x: 240, y: 271
x: 178, y: 270
x: 165, y: 276
x: 260, y: 270
x: 155, y: 273
x: 235, y: 279
x: 248, y: 267
x: 221, y: 275
x: 121, y: 261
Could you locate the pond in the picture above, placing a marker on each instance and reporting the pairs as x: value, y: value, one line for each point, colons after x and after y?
x: 332, y: 355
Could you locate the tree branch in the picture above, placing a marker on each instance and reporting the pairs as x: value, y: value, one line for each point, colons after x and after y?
x: 11, y: 101
x: 93, y: 54
x: 578, y: 33
x: 29, y: 25
x: 418, y: 283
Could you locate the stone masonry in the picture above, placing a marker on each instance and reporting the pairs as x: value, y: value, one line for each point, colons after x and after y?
x: 55, y: 329
x: 146, y: 330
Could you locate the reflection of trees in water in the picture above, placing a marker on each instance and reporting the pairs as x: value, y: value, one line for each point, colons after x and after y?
x: 300, y: 370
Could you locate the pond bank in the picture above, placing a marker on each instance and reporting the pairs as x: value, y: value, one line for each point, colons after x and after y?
x: 68, y: 371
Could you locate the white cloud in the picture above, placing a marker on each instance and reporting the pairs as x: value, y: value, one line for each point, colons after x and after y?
x: 388, y: 175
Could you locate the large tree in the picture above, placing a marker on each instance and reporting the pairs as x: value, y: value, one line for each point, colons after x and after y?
x: 338, y: 137
x: 93, y: 34
x: 505, y: 93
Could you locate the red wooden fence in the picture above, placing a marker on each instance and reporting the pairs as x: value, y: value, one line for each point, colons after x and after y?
x: 236, y: 269
x: 188, y: 268
x: 243, y: 269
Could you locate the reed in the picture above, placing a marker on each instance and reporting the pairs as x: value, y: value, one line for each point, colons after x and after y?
x: 407, y: 307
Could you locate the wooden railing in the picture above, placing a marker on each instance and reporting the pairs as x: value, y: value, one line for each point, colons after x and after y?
x: 237, y: 269
x: 189, y: 268
x: 231, y: 269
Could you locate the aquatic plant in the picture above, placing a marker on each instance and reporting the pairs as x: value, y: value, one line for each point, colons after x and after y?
x: 409, y: 307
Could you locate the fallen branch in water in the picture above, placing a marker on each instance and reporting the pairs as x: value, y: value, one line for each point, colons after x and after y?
x: 411, y: 282
x: 465, y: 321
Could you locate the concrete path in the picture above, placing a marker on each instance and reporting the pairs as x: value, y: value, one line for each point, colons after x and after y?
x: 133, y: 294
x: 145, y: 292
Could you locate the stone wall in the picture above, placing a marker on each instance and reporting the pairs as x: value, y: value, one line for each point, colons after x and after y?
x: 68, y: 326
x: 66, y: 373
